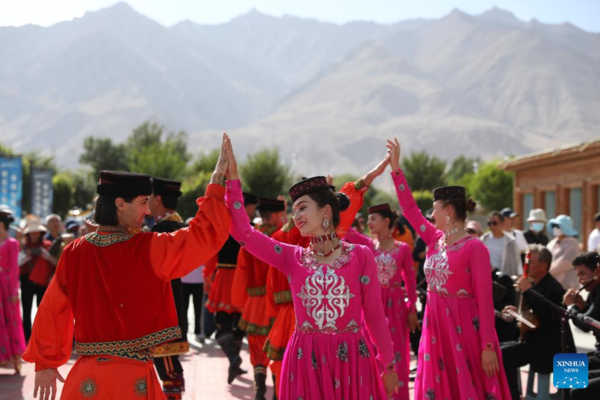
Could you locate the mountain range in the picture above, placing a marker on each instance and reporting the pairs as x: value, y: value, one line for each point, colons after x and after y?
x: 327, y: 95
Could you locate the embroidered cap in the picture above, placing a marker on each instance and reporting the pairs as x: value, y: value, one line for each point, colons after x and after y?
x: 250, y: 198
x: 380, y: 208
x: 449, y: 192
x: 306, y: 186
x: 123, y: 184
x: 166, y: 187
x: 274, y: 205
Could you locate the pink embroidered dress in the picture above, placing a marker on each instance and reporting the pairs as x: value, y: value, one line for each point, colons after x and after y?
x: 459, y: 318
x: 327, y: 356
x: 395, y: 267
x: 12, y: 339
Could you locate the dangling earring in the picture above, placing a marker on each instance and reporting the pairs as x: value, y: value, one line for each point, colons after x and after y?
x: 447, y: 220
x: 325, y: 224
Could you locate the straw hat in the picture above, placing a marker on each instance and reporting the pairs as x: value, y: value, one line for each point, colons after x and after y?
x: 34, y: 225
x: 537, y: 214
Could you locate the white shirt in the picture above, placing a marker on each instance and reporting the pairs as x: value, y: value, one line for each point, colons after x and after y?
x: 496, y: 248
x: 594, y: 240
x: 195, y: 276
x: 520, y: 238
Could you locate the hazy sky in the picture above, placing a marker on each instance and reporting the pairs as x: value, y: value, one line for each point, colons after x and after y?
x: 582, y: 13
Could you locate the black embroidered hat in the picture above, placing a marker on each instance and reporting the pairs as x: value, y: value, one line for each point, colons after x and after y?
x: 249, y: 198
x: 449, y: 192
x: 270, y: 205
x: 380, y: 208
x: 306, y: 186
x: 166, y: 187
x: 123, y: 184
x: 330, y: 186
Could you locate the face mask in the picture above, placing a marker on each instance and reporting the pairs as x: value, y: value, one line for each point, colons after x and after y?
x: 556, y: 231
x: 537, y: 226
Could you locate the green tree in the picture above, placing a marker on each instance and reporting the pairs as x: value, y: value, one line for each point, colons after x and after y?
x: 73, y: 189
x: 424, y: 172
x: 424, y: 199
x: 204, y: 162
x: 149, y: 154
x: 6, y: 150
x: 264, y: 175
x: 145, y: 135
x: 462, y: 170
x: 102, y: 153
x: 492, y: 186
x: 64, y: 190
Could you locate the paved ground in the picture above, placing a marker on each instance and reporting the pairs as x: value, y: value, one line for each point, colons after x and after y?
x: 205, y: 371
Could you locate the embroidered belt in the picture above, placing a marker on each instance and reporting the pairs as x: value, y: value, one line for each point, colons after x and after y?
x: 226, y: 266
x: 461, y: 294
x: 283, y: 297
x: 307, y: 328
x: 255, y: 329
x: 257, y: 291
x: 171, y: 349
x: 141, y: 349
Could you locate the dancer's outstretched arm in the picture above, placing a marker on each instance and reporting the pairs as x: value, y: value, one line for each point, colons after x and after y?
x: 408, y: 205
x: 176, y: 254
x: 277, y: 254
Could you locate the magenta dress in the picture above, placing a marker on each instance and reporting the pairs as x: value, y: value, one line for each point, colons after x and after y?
x: 395, y: 267
x: 459, y: 318
x: 327, y: 356
x: 12, y: 339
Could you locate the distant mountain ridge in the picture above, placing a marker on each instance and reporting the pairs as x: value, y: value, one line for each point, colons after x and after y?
x: 327, y: 95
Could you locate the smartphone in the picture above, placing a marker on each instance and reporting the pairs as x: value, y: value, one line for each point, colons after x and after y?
x: 36, y: 251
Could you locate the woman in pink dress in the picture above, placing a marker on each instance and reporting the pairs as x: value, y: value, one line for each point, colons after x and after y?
x: 332, y: 283
x: 394, y: 270
x: 459, y: 355
x: 12, y: 339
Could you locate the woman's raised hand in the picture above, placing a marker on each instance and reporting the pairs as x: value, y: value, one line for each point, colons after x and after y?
x: 221, y: 168
x: 232, y: 171
x: 394, y: 150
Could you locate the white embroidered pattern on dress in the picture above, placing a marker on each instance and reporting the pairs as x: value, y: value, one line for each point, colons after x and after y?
x: 386, y: 265
x: 325, y: 296
x: 437, y: 271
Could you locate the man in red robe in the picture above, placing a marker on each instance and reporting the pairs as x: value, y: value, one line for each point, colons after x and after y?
x: 116, y: 284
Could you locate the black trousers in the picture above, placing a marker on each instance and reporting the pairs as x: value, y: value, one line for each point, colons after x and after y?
x: 168, y: 367
x: 514, y: 356
x: 208, y: 319
x: 28, y: 290
x: 196, y: 292
x: 592, y: 392
x: 228, y: 323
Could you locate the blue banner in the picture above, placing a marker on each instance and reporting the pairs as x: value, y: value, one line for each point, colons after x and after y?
x: 42, y: 192
x: 11, y: 183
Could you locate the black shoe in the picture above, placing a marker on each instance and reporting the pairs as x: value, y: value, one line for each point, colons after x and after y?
x: 260, y: 382
x: 238, y: 349
x: 228, y: 346
x: 233, y: 370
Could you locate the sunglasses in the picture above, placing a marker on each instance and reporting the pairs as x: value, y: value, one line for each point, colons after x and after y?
x: 492, y: 223
x: 471, y: 231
